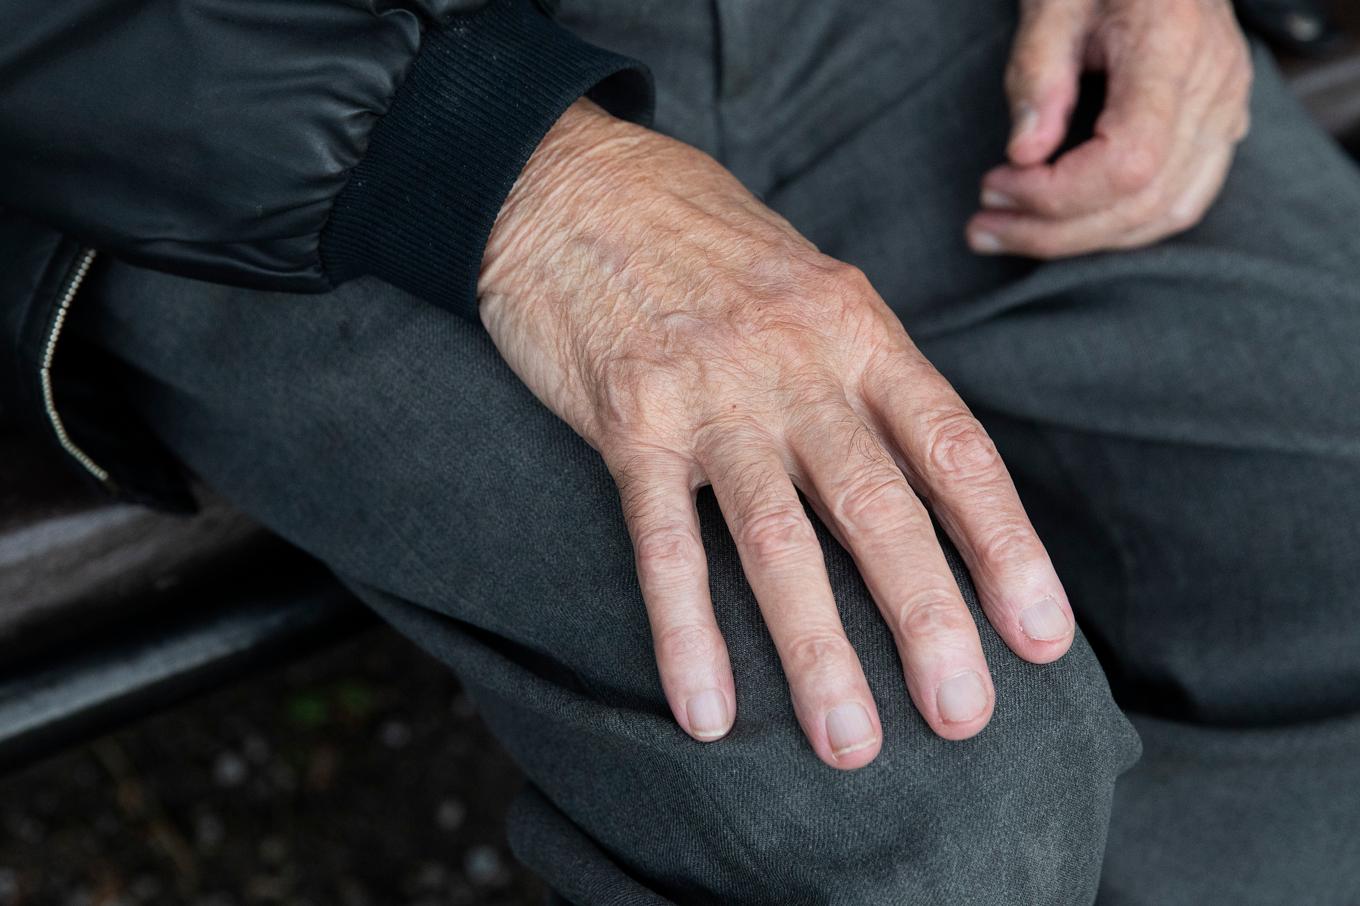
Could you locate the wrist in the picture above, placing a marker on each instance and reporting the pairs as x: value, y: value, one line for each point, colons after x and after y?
x: 580, y: 159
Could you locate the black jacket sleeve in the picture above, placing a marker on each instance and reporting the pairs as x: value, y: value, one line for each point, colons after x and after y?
x: 288, y: 144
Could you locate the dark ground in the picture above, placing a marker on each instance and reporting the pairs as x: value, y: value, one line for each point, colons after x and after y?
x: 360, y: 777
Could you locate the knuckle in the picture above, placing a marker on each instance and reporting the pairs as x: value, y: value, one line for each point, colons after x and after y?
x: 933, y: 614
x: 1183, y: 217
x: 1148, y: 207
x: 1055, y: 205
x: 629, y: 393
x: 777, y: 535
x: 666, y: 551
x: 850, y: 300
x: 873, y: 502
x: 816, y: 653
x: 685, y: 643
x: 958, y: 449
x: 848, y: 277
x: 1137, y: 166
x: 1008, y: 546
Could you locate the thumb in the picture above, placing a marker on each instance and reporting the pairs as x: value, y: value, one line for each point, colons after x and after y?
x: 1042, y: 78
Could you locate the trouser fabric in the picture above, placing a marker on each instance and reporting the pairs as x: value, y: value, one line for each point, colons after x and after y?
x: 1183, y: 423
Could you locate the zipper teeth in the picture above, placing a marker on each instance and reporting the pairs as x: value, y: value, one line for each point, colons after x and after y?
x: 50, y: 351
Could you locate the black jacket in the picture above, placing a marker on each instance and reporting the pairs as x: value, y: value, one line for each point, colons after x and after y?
x: 279, y: 144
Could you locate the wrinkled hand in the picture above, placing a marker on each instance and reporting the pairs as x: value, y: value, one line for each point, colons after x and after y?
x: 693, y: 337
x: 1179, y: 77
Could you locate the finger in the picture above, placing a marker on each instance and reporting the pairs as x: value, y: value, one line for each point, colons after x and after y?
x: 885, y: 527
x: 658, y: 506
x: 783, y: 562
x: 1008, y: 233
x: 1133, y: 140
x: 955, y: 465
x: 1164, y: 211
x: 1042, y: 76
x: 1063, y: 230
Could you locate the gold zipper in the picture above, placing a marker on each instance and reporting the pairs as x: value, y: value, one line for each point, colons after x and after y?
x: 49, y: 352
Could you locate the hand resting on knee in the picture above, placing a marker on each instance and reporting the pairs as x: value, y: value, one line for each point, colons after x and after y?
x: 693, y: 337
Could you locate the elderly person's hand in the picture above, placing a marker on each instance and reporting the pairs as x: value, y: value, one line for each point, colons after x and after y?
x: 1179, y: 76
x: 693, y: 337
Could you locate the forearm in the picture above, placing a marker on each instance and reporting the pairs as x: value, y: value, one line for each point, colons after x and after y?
x: 230, y: 149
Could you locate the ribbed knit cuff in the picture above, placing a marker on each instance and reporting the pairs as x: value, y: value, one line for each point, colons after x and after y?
x: 476, y: 101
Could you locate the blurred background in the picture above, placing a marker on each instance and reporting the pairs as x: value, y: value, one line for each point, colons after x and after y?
x: 358, y: 776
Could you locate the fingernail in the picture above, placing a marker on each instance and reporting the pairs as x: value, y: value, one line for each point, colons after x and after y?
x: 1026, y: 121
x: 962, y: 697
x: 991, y: 198
x: 1044, y: 621
x: 708, y: 714
x: 849, y: 729
x: 985, y: 243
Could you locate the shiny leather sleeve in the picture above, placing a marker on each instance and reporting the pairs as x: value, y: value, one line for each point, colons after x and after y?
x: 280, y: 144
x: 211, y: 138
x: 206, y: 137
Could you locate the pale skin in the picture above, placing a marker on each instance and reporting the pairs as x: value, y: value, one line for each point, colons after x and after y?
x: 1179, y: 76
x: 694, y: 338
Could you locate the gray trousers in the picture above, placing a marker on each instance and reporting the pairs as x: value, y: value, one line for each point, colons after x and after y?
x: 1183, y: 423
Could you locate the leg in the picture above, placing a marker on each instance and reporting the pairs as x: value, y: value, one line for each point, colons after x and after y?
x: 1241, y: 560
x: 1183, y: 423
x: 386, y: 437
